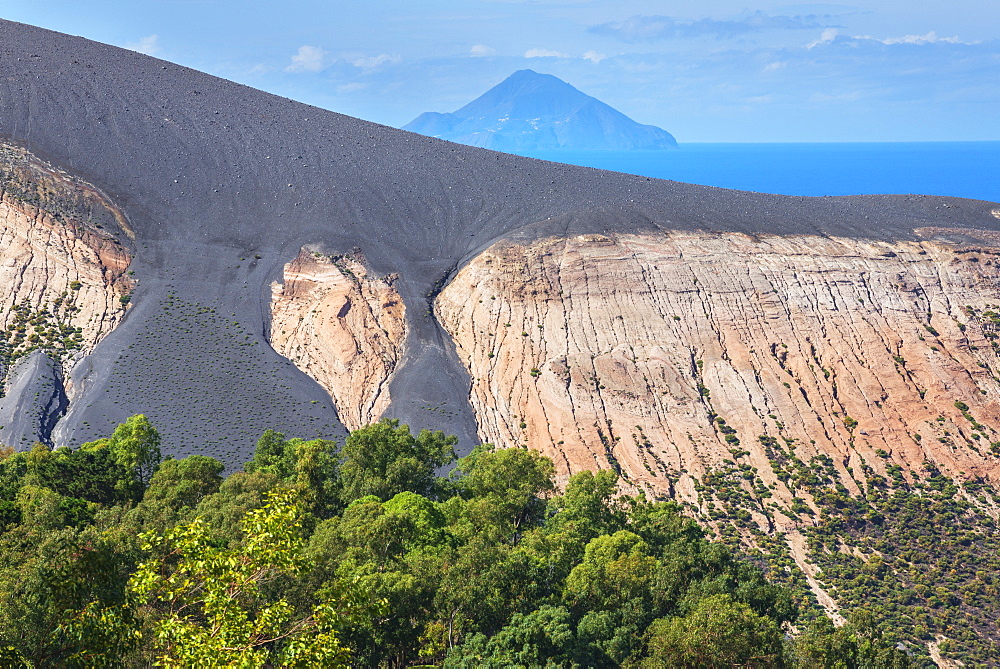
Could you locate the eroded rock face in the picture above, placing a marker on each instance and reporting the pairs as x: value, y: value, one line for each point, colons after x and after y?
x: 62, y: 271
x: 661, y: 355
x: 73, y: 273
x: 62, y: 283
x: 343, y: 328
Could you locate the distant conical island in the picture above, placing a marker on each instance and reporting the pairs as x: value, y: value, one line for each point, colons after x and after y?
x: 528, y: 111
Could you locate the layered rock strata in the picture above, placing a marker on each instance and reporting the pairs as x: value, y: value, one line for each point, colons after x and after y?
x: 661, y: 355
x: 63, y: 287
x: 342, y: 327
x: 72, y: 273
x: 62, y: 267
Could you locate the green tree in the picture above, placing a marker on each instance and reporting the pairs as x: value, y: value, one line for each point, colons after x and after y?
x: 542, y: 638
x: 210, y: 609
x: 311, y: 465
x: 46, y: 572
x: 13, y: 658
x: 588, y: 508
x: 384, y: 458
x: 612, y: 593
x: 590, y: 504
x: 504, y: 491
x: 175, y: 490
x: 861, y: 643
x: 481, y: 587
x: 315, y: 474
x: 93, y: 476
x: 694, y: 568
x: 44, y: 510
x: 135, y: 445
x: 390, y: 554
x: 615, y: 569
x: 719, y: 632
x: 13, y: 468
x: 238, y: 494
x: 273, y: 454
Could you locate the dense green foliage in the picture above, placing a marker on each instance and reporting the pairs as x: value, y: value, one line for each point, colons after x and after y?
x: 314, y: 556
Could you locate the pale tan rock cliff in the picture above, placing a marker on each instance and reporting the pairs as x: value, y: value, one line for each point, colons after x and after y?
x: 343, y: 328
x: 74, y: 273
x: 625, y: 352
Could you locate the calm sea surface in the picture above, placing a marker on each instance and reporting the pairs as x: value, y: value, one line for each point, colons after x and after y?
x: 962, y: 169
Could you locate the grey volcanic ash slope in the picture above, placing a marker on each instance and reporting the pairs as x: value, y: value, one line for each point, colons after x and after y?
x: 223, y: 186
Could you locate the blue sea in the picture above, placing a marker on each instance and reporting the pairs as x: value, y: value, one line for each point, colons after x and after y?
x: 961, y: 169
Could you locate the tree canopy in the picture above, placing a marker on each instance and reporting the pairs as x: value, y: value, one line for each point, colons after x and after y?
x: 366, y: 556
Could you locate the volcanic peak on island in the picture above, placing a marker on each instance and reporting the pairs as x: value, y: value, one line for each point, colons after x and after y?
x: 530, y: 111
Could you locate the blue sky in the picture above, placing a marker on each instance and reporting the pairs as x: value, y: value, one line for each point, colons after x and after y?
x: 714, y: 71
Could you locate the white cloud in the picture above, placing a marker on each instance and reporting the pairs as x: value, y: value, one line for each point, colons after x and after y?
x: 372, y: 62
x: 929, y: 38
x: 481, y: 50
x: 825, y: 37
x: 594, y: 57
x: 308, y: 59
x: 830, y: 34
x: 640, y: 27
x: 776, y: 65
x: 544, y: 53
x: 149, y: 45
x: 819, y: 9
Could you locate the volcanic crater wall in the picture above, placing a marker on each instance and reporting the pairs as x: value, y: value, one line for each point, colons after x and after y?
x: 659, y: 355
x: 221, y: 186
x: 674, y: 332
